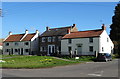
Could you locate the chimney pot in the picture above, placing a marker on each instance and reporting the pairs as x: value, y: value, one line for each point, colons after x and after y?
x: 26, y: 31
x: 10, y: 33
x: 103, y: 27
x: 37, y: 31
x: 74, y: 24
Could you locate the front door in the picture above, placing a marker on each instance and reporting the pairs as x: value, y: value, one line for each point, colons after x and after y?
x: 51, y: 49
x: 79, y: 50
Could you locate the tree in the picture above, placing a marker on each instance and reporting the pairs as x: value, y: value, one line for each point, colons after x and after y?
x: 115, y: 28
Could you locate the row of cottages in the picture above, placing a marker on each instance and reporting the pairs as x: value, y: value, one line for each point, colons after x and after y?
x: 21, y: 44
x: 59, y: 41
x: 89, y: 42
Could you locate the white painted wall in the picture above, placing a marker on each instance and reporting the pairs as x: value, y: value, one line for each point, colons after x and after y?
x: 98, y: 43
x: 85, y: 45
x: 19, y: 46
x: 108, y: 46
x: 33, y: 45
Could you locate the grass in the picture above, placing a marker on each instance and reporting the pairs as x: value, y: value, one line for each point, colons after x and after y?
x: 82, y: 58
x: 32, y: 62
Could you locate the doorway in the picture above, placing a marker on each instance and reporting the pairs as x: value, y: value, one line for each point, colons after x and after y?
x: 51, y: 49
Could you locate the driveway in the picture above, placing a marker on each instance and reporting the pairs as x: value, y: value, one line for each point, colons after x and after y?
x: 88, y: 69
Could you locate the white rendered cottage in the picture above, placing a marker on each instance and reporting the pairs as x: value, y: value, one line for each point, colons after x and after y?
x: 21, y: 44
x: 89, y: 42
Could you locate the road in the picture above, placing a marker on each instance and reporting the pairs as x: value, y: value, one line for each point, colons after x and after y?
x: 88, y: 69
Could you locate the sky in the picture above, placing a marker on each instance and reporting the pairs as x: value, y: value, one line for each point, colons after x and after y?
x: 19, y: 16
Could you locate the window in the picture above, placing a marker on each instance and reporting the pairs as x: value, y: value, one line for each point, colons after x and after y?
x: 107, y: 39
x: 49, y: 39
x: 26, y: 43
x: 102, y: 49
x: 59, y: 38
x: 16, y: 44
x: 91, y: 40
x: 69, y: 41
x: 7, y: 50
x: 7, y: 44
x: 91, y: 48
x: 69, y: 49
x: 43, y: 39
x: 26, y: 50
x: 53, y: 39
x: 16, y: 50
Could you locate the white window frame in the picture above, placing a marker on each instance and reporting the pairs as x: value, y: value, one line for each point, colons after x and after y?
x: 43, y: 39
x: 53, y: 39
x: 49, y: 39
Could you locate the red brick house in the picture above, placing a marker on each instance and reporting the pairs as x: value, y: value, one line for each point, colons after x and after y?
x: 50, y: 40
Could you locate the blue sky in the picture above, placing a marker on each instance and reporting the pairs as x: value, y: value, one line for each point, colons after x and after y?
x: 19, y: 16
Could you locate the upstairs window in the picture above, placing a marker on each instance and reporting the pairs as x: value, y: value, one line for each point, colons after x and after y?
x: 107, y: 39
x: 91, y: 48
x: 91, y: 40
x: 102, y: 49
x: 69, y: 41
x: 26, y: 43
x: 53, y: 39
x: 16, y: 44
x: 6, y: 44
x: 59, y: 38
x: 43, y: 39
x: 49, y: 39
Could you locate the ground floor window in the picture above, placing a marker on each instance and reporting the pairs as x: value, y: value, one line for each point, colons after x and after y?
x: 7, y: 50
x: 26, y: 50
x: 69, y: 49
x: 16, y: 50
x: 91, y: 48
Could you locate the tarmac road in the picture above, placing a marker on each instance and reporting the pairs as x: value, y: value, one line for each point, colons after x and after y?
x: 88, y: 69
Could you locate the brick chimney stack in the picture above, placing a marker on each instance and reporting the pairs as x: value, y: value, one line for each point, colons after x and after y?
x: 47, y: 28
x: 68, y: 31
x: 74, y: 24
x: 103, y: 27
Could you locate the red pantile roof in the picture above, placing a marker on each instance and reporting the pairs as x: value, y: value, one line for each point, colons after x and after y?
x: 18, y: 37
x: 84, y: 34
x: 29, y: 37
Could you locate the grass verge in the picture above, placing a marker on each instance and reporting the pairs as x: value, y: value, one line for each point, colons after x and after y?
x: 33, y: 62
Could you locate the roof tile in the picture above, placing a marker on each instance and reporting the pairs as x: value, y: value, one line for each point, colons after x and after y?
x: 84, y: 34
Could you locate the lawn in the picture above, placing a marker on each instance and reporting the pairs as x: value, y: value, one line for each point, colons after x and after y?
x: 81, y: 58
x: 32, y: 62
